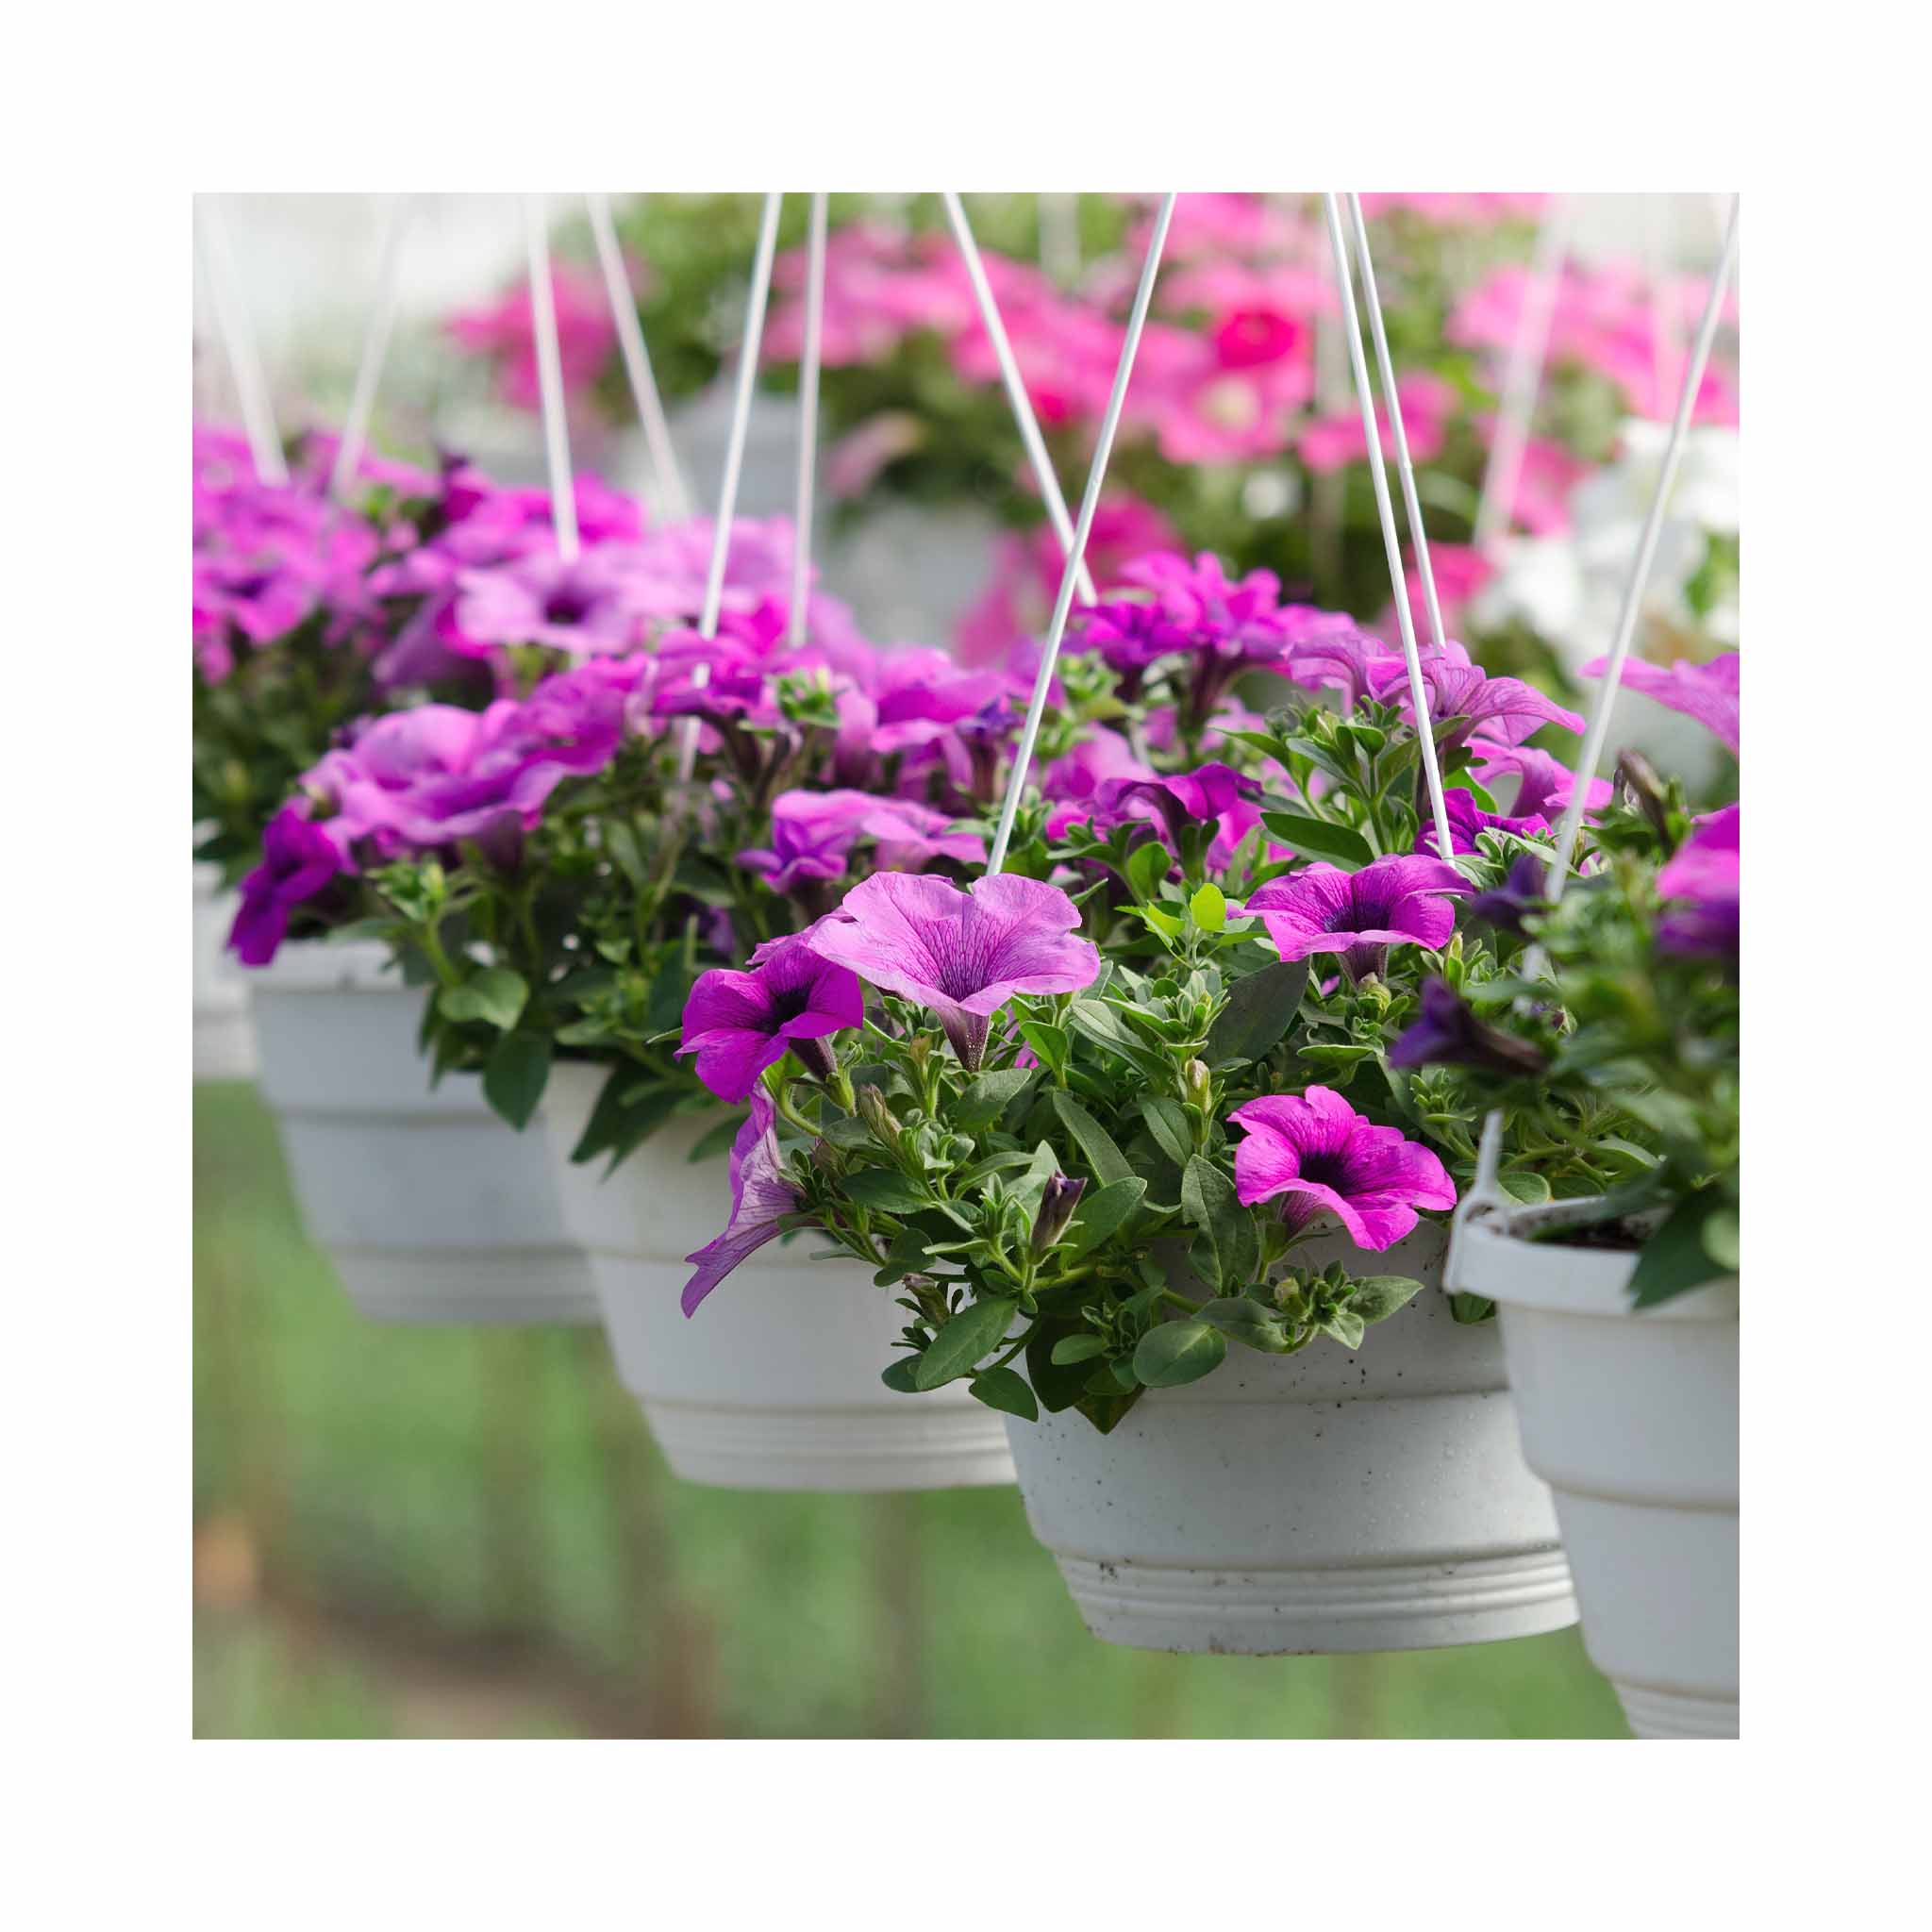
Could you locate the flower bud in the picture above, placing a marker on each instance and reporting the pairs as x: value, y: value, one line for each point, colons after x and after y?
x: 1056, y: 1206
x: 1638, y: 779
x: 1197, y: 1085
x: 878, y: 1116
x: 816, y: 1058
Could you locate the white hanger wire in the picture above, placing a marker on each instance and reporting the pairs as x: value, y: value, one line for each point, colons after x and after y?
x: 1378, y: 474
x: 1076, y: 551
x: 1392, y: 401
x: 397, y: 211
x: 563, y: 498
x: 1024, y: 419
x: 734, y: 460
x: 1522, y: 378
x: 237, y: 342
x: 669, y: 491
x: 807, y: 421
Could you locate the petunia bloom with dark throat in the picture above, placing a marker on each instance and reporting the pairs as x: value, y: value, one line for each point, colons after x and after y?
x: 739, y: 1023
x: 1360, y: 914
x: 962, y: 955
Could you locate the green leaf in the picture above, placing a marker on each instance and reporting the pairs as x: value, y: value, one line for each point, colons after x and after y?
x: 1377, y: 1296
x: 630, y: 1107
x: 1317, y: 838
x: 1208, y: 907
x: 1261, y: 1007
x: 1147, y: 865
x: 1057, y: 1386
x: 1243, y: 1320
x: 515, y: 1076
x: 1049, y: 1042
x: 1101, y: 1213
x: 984, y: 1099
x: 1674, y: 1259
x: 1721, y: 1237
x: 1167, y: 1121
x: 957, y: 1348
x: 900, y: 1375
x: 1002, y: 1389
x: 1077, y: 1348
x: 906, y: 1256
x: 1160, y: 920
x: 1178, y: 1352
x: 1346, y: 1327
x: 716, y: 1141
x: 495, y: 995
x: 1207, y: 1199
x: 880, y: 1187
x: 1528, y: 1188
x: 1107, y: 1161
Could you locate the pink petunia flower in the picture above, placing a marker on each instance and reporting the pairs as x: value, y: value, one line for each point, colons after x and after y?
x: 1400, y: 901
x: 961, y: 954
x: 762, y: 1197
x: 1316, y: 1155
x: 1708, y: 692
x: 739, y: 1023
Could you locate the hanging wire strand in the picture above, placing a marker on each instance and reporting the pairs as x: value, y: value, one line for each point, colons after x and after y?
x: 563, y: 497
x: 807, y: 423
x: 237, y: 342
x: 1598, y: 730
x: 669, y: 489
x: 397, y: 212
x: 1522, y: 378
x: 1076, y: 551
x: 734, y: 460
x: 1024, y: 419
x: 1392, y: 401
x: 1378, y: 474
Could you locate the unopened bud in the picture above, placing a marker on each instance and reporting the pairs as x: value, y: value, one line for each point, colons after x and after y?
x: 1638, y: 779
x: 1056, y: 1206
x: 878, y: 1116
x: 1198, y: 1084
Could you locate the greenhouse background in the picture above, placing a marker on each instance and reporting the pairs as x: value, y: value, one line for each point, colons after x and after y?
x: 468, y: 1533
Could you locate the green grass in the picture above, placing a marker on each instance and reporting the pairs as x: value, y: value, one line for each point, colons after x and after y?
x: 468, y: 1532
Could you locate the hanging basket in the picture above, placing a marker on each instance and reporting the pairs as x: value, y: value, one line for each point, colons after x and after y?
x: 432, y: 1209
x: 1319, y: 1502
x: 773, y: 1384
x: 1632, y: 1418
x: 223, y: 1034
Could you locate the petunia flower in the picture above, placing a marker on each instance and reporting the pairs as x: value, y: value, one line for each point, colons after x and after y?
x: 1708, y: 693
x: 1446, y: 1032
x: 1360, y: 914
x: 298, y: 859
x: 1504, y: 708
x: 1521, y: 892
x: 1467, y: 818
x: 1317, y: 1154
x: 961, y: 954
x: 1701, y: 888
x: 739, y: 1023
x: 762, y: 1197
x: 813, y: 834
x: 1545, y: 785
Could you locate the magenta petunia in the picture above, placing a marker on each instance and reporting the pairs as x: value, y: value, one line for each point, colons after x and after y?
x: 1467, y: 818
x: 762, y: 1197
x: 1708, y: 693
x: 1504, y: 708
x: 1360, y: 914
x: 1701, y: 887
x: 739, y: 1023
x: 813, y: 834
x: 298, y: 860
x: 1315, y: 1153
x: 1544, y: 786
x: 961, y: 953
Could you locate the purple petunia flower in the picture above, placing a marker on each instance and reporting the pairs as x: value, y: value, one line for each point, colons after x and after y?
x: 298, y: 859
x: 1701, y: 888
x: 762, y: 1197
x: 1360, y: 914
x: 1505, y: 709
x: 961, y: 954
x: 1522, y: 891
x: 813, y: 834
x: 1313, y: 1150
x: 1446, y: 1032
x: 739, y: 1023
x: 1708, y: 693
x: 588, y: 604
x: 1545, y: 785
x: 1467, y: 818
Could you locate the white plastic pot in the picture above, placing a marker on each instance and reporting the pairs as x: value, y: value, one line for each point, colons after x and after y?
x: 773, y: 1384
x: 1319, y: 1502
x: 431, y: 1208
x: 223, y: 1035
x: 1632, y: 1419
